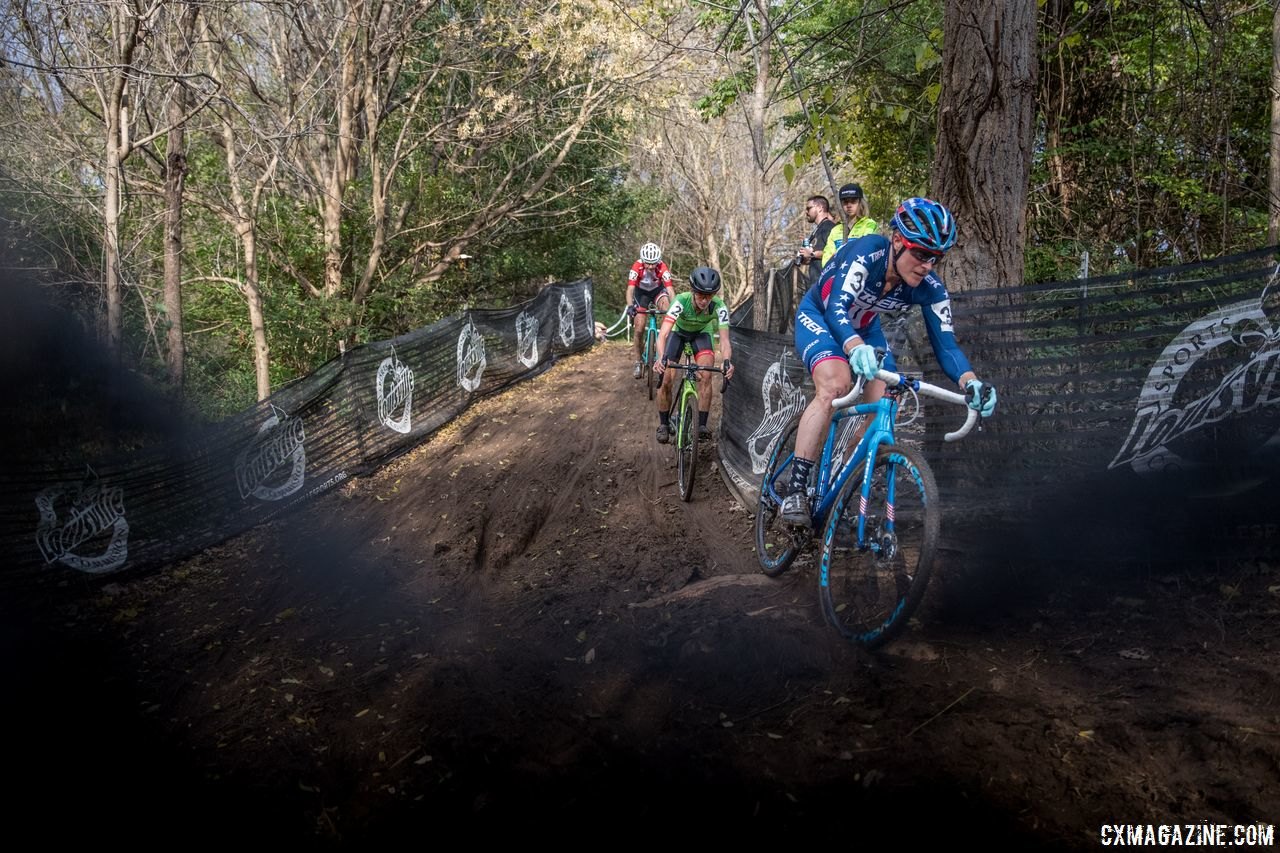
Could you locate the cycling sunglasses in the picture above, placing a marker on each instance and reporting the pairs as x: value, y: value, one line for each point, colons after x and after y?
x: 922, y: 254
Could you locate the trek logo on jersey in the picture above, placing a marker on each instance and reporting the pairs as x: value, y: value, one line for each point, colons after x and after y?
x: 90, y: 534
x: 394, y: 387
x: 782, y: 400
x: 1240, y: 332
x: 471, y: 357
x: 274, y: 464
x: 527, y: 338
x: 566, y: 320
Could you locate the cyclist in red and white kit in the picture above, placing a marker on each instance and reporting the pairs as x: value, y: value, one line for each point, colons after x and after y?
x: 648, y: 288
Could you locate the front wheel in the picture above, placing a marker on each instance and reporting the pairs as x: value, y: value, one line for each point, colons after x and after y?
x: 648, y: 364
x: 687, y: 445
x: 778, y: 544
x: 870, y: 588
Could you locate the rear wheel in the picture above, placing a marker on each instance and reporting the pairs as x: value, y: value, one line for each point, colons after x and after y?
x: 868, y: 593
x: 777, y: 544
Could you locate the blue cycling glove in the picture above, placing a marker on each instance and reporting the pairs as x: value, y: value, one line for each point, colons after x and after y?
x: 631, y: 310
x: 863, y: 361
x: 982, y: 398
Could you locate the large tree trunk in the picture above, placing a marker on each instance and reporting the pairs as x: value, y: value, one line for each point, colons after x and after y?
x: 985, y: 134
x: 1273, y: 208
x: 982, y: 167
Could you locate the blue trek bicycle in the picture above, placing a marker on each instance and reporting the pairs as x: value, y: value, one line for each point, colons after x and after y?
x: 876, y: 513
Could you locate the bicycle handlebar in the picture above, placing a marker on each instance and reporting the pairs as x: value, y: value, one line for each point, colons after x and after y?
x: 895, y: 379
x: 692, y: 368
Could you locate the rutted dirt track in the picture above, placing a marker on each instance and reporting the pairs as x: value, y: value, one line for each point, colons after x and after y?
x: 520, y: 630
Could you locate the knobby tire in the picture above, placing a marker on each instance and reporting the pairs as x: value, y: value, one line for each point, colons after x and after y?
x: 870, y: 596
x: 648, y: 362
x: 777, y: 544
x: 687, y: 445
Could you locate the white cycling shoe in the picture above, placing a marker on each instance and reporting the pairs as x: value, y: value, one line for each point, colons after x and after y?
x: 795, y: 510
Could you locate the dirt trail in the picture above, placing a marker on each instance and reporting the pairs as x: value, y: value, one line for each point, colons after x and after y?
x: 519, y: 629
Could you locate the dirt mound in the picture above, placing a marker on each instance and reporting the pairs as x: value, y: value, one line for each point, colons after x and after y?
x: 520, y: 629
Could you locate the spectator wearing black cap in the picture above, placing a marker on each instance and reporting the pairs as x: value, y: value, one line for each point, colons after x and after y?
x: 858, y: 216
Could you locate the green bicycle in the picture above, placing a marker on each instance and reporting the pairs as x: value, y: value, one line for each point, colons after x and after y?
x: 683, y: 418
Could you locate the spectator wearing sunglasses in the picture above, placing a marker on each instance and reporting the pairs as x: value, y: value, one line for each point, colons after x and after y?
x: 838, y: 325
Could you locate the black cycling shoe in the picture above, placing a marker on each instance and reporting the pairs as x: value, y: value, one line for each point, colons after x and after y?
x: 704, y: 433
x: 664, y: 434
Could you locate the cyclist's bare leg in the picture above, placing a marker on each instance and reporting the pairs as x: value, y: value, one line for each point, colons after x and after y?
x: 706, y: 359
x: 832, y: 378
x: 664, y: 390
x: 637, y: 334
x: 872, y: 391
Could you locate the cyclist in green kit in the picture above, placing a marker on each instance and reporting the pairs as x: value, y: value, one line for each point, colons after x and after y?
x: 692, y: 318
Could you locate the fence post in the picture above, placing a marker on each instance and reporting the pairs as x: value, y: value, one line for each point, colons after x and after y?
x: 768, y: 308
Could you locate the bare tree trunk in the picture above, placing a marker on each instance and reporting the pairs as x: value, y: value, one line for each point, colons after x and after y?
x: 174, y: 179
x: 115, y: 149
x: 985, y: 135
x: 257, y: 319
x: 342, y: 167
x: 175, y: 176
x: 244, y: 215
x: 114, y: 332
x: 1273, y: 208
x: 1053, y: 96
x: 760, y: 156
x: 238, y: 136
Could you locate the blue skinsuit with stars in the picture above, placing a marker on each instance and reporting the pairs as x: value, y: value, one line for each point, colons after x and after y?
x: 847, y: 299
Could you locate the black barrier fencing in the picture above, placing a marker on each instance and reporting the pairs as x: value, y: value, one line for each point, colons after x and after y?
x: 1137, y: 413
x: 123, y: 511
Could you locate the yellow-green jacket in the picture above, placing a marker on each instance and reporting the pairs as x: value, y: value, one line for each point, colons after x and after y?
x: 864, y: 226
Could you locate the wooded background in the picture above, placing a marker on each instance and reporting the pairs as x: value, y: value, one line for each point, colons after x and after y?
x: 230, y: 193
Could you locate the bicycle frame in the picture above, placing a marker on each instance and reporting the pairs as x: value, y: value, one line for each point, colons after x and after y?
x: 880, y: 431
x: 684, y: 418
x: 650, y: 345
x: 873, y: 569
x: 687, y: 385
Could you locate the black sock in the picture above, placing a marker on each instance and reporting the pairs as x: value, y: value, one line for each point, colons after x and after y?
x: 800, y: 469
x: 702, y: 418
x: 664, y: 419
